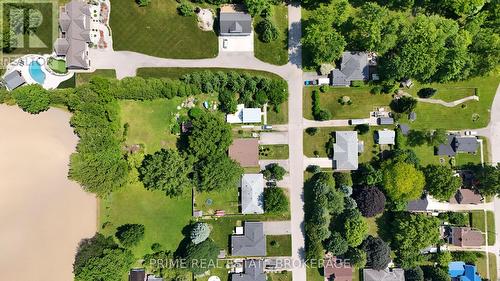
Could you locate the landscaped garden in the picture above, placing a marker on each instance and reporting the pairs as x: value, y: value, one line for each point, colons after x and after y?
x: 275, y: 52
x: 158, y: 30
x: 57, y: 65
x: 277, y: 151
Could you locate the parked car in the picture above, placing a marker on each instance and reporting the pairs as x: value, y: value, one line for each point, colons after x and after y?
x: 470, y: 133
x: 267, y: 127
x: 310, y: 82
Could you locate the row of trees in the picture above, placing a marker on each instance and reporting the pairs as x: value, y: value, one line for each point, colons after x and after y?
x: 424, y: 46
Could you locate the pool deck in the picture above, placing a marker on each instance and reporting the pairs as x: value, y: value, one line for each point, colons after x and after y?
x: 52, y: 80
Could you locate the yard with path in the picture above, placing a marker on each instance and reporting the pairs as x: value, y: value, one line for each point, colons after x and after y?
x: 158, y: 30
x: 275, y: 52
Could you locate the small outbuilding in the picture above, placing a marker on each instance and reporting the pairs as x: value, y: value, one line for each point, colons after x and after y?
x: 385, y: 121
x: 245, y: 115
x: 386, y: 137
x: 13, y: 80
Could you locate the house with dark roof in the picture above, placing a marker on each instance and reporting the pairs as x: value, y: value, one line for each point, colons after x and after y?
x: 137, y: 274
x: 345, y: 150
x: 466, y: 196
x: 385, y: 121
x: 13, y: 80
x: 466, y: 237
x: 389, y: 274
x: 252, y: 194
x: 77, y: 30
x: 459, y: 271
x: 354, y: 67
x: 405, y: 129
x: 245, y: 151
x: 253, y: 271
x: 458, y: 144
x: 252, y: 243
x: 234, y: 21
x: 337, y: 270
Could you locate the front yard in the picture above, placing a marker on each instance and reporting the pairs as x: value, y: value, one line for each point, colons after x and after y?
x: 158, y: 30
x: 212, y: 201
x: 277, y: 151
x: 279, y: 245
x: 477, y: 221
x: 275, y: 52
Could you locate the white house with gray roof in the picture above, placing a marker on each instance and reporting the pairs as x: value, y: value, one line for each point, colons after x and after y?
x: 252, y: 243
x: 386, y: 137
x: 354, y: 67
x: 389, y: 274
x: 345, y: 150
x: 252, y: 194
x: 77, y: 29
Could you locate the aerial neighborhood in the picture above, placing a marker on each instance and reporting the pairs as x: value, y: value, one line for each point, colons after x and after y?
x: 252, y: 140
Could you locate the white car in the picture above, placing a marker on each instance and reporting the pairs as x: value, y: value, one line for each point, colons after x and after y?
x: 224, y: 43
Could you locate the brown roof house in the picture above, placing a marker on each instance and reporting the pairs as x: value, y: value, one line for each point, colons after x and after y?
x: 466, y: 196
x: 245, y: 152
x: 466, y: 237
x: 336, y: 269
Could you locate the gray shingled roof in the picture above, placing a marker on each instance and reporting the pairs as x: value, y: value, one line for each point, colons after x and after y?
x: 235, y: 23
x: 405, y: 129
x: 252, y: 243
x: 447, y: 147
x: 345, y: 150
x: 13, y: 80
x: 254, y: 271
x: 74, y: 22
x: 395, y: 274
x: 466, y: 144
x: 354, y: 67
x: 385, y: 121
x: 252, y: 194
x: 386, y: 137
x: 419, y: 205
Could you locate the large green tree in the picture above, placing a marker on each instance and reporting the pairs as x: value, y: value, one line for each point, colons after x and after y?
x: 275, y: 200
x: 130, y: 234
x: 378, y: 252
x: 441, y: 182
x: 325, y: 43
x: 488, y: 179
x: 354, y: 227
x: 402, y: 181
x: 166, y: 170
x: 218, y: 172
x: 210, y: 136
x: 32, y: 98
x: 199, y: 257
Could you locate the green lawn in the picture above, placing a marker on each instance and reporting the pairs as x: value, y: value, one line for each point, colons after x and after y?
x: 279, y: 245
x: 314, y: 274
x: 163, y: 217
x: 158, y: 30
x: 458, y: 117
x: 226, y: 200
x: 481, y: 266
x: 150, y: 122
x: 477, y: 221
x: 319, y: 142
x: 280, y: 117
x: 445, y: 92
x: 84, y: 78
x: 222, y: 228
x: 280, y: 276
x: 277, y: 151
x: 362, y: 102
x: 372, y: 225
x: 57, y: 65
x: 275, y: 52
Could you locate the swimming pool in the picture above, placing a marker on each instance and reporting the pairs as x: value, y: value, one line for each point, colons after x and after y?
x: 36, y: 72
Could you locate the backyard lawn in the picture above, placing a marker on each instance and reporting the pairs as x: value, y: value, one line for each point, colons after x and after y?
x: 280, y: 276
x: 226, y: 200
x: 163, y: 217
x: 158, y: 30
x: 277, y: 151
x: 84, y: 78
x: 149, y: 122
x: 477, y: 221
x: 445, y: 92
x: 279, y: 245
x: 362, y: 102
x: 280, y: 117
x: 275, y: 52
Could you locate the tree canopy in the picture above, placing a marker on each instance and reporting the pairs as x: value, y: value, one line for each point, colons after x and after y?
x: 370, y: 201
x: 218, y: 172
x: 32, y: 98
x: 130, y: 234
x: 205, y: 251
x: 378, y: 252
x: 275, y: 200
x: 354, y: 227
x: 441, y: 182
x: 209, y: 136
x: 402, y: 181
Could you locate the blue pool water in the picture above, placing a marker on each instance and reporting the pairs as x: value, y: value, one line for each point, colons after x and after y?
x: 36, y: 72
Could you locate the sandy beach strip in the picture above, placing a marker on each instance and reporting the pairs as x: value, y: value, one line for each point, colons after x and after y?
x: 44, y: 215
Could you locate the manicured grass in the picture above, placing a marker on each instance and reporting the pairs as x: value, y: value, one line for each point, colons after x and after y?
x: 481, y: 266
x: 477, y: 221
x: 362, y: 102
x: 372, y: 225
x: 220, y: 271
x: 275, y: 52
x: 149, y: 122
x: 70, y: 83
x: 163, y: 217
x: 319, y: 142
x: 278, y: 151
x: 58, y: 66
x: 280, y: 117
x: 282, y: 245
x: 280, y: 276
x: 178, y: 72
x: 222, y: 228
x: 445, y: 92
x: 314, y: 274
x: 158, y: 30
x: 84, y: 78
x: 438, y: 116
x: 426, y: 155
x: 226, y: 200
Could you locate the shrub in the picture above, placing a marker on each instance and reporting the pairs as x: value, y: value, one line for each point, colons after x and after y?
x: 143, y: 3
x: 426, y: 93
x: 200, y: 232
x: 32, y: 98
x: 274, y: 171
x: 404, y: 104
x: 323, y: 88
x: 275, y: 200
x: 345, y: 100
x: 350, y: 203
x: 323, y: 115
x: 267, y: 30
x: 185, y: 9
x: 362, y: 128
x: 376, y: 90
x: 357, y: 83
x: 195, y: 112
x: 312, y: 131
x: 313, y: 169
x: 343, y: 179
x: 130, y: 234
x: 370, y: 200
